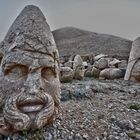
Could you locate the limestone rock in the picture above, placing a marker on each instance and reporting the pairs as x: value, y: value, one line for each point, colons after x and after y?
x: 77, y: 61
x: 123, y: 64
x: 96, y: 58
x: 69, y: 64
x: 66, y: 74
x: 95, y: 72
x: 91, y: 71
x: 88, y: 71
x: 89, y: 58
x: 79, y: 72
x: 85, y: 64
x: 111, y: 73
x: 114, y: 62
x: 101, y: 64
x: 133, y: 68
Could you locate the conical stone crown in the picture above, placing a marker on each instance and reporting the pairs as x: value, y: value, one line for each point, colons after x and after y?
x: 31, y: 32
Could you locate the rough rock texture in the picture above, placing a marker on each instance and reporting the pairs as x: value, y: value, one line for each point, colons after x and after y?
x: 111, y: 73
x: 72, y: 41
x: 101, y: 64
x: 69, y: 64
x: 133, y: 68
x: 91, y: 71
x: 95, y: 110
x: 29, y: 73
x: 99, y: 56
x: 77, y: 62
x: 114, y: 63
x: 123, y: 64
x: 66, y: 74
x: 79, y: 72
x: 89, y: 58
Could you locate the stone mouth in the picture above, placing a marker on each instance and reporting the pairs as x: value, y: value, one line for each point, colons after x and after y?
x: 31, y: 106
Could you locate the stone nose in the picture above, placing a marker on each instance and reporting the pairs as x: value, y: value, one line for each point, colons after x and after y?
x: 33, y: 83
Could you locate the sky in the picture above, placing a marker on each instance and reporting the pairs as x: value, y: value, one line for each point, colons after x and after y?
x: 116, y: 17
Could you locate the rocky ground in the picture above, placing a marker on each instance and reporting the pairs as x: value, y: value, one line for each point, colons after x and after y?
x: 94, y: 110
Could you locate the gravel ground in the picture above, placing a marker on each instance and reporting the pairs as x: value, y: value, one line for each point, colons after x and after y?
x: 94, y: 110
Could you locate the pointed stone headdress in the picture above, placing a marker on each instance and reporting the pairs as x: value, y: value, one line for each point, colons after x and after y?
x: 30, y: 32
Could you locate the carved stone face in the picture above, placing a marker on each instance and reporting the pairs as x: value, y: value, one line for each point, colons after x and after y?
x: 29, y: 82
x: 29, y: 89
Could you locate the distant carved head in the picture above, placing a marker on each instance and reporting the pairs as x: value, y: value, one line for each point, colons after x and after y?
x: 29, y: 82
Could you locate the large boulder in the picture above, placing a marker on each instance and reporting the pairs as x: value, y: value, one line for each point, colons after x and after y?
x: 133, y: 68
x: 89, y: 58
x: 114, y: 63
x: 91, y: 71
x: 72, y: 41
x: 77, y: 61
x: 111, y: 73
x: 66, y: 74
x: 101, y: 63
x: 79, y: 72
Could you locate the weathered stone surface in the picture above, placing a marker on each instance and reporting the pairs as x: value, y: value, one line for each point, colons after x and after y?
x: 69, y: 64
x: 123, y: 64
x: 88, y: 71
x: 101, y: 64
x: 77, y: 61
x: 85, y: 64
x: 79, y: 72
x: 72, y: 41
x: 95, y: 72
x: 89, y: 58
x: 66, y: 74
x: 91, y: 71
x: 133, y: 68
x: 111, y: 73
x: 29, y: 73
x: 114, y: 63
x: 97, y: 57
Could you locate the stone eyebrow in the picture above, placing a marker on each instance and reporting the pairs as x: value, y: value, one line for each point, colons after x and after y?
x: 10, y: 65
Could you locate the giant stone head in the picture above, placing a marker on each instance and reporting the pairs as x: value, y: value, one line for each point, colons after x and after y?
x: 29, y: 82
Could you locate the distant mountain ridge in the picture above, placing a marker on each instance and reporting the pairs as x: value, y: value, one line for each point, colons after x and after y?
x: 72, y: 41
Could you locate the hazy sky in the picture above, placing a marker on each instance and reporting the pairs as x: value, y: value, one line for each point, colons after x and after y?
x: 117, y: 17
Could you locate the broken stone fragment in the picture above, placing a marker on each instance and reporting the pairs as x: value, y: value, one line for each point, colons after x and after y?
x: 97, y: 57
x: 91, y: 71
x: 123, y: 64
x: 66, y: 74
x: 69, y: 64
x: 89, y: 58
x: 114, y: 63
x: 79, y: 72
x: 101, y: 64
x: 77, y: 61
x: 111, y: 73
x: 133, y: 68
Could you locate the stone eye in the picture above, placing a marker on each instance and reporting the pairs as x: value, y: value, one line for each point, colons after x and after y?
x: 48, y: 74
x: 16, y: 72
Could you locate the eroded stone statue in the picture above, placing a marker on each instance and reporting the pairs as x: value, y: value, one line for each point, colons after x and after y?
x: 29, y: 73
x: 133, y: 68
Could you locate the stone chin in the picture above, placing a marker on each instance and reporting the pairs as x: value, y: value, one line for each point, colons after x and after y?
x: 28, y: 112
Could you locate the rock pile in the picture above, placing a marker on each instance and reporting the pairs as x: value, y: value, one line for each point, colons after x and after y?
x: 100, y: 66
